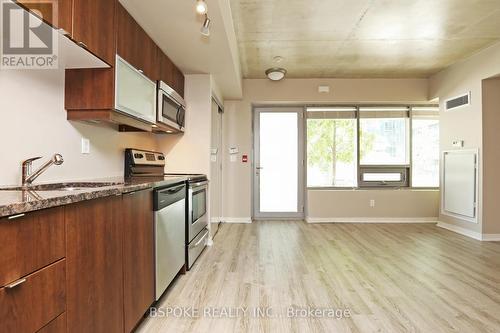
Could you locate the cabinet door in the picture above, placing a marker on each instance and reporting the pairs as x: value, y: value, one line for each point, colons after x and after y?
x: 34, y: 301
x: 135, y: 46
x: 94, y: 266
x: 58, y: 15
x: 167, y: 69
x: 135, y: 92
x: 94, y: 26
x: 138, y: 256
x: 170, y: 74
x: 30, y: 242
x: 178, y: 81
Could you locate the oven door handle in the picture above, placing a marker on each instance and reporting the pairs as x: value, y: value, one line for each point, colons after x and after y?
x: 201, y: 239
x: 194, y: 185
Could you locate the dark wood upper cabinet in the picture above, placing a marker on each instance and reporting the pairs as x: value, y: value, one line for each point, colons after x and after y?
x: 138, y: 256
x: 170, y: 74
x: 135, y: 46
x: 94, y: 27
x: 90, y: 93
x: 166, y: 68
x: 94, y: 268
x: 178, y: 81
x: 58, y: 16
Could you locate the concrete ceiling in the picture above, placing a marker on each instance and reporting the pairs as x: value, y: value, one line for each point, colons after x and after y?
x: 361, y: 38
x: 175, y: 27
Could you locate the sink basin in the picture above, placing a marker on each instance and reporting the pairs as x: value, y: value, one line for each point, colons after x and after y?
x: 61, y: 186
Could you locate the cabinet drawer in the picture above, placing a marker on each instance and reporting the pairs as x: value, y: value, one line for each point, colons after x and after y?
x: 57, y: 325
x: 30, y: 242
x: 32, y: 302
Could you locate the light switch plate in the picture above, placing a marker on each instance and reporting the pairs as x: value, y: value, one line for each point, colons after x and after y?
x: 85, y: 146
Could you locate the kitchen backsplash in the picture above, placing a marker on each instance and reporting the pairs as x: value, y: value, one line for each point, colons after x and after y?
x: 33, y: 123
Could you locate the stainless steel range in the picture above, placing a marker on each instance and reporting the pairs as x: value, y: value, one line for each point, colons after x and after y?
x: 140, y: 163
x: 197, y: 218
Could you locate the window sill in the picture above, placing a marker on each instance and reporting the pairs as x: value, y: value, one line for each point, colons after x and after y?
x: 373, y: 188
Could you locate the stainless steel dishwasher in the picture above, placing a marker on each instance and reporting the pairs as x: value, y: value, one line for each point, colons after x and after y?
x: 170, y: 234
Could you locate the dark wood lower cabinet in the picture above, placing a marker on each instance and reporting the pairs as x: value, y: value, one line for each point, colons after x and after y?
x: 30, y: 242
x: 32, y: 302
x: 138, y: 256
x: 84, y: 267
x: 94, y: 260
x: 57, y: 325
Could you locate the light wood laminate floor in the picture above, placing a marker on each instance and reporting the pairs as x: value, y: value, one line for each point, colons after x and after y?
x: 391, y: 277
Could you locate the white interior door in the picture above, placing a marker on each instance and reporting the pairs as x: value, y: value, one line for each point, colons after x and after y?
x: 279, y: 163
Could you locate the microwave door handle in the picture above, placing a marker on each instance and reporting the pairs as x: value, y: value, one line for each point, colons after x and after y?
x: 182, y: 116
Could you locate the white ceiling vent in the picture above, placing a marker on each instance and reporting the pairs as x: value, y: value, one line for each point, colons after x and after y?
x: 458, y: 102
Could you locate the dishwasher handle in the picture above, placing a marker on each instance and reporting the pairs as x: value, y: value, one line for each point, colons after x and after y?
x: 172, y: 190
x: 167, y: 196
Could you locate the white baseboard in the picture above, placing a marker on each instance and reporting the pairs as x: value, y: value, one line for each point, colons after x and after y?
x: 469, y: 233
x: 491, y: 238
x: 371, y: 219
x: 237, y: 219
x: 460, y: 230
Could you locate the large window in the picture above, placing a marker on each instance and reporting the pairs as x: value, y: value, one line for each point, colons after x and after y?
x: 398, y: 146
x: 383, y: 136
x: 425, y: 147
x: 331, y: 147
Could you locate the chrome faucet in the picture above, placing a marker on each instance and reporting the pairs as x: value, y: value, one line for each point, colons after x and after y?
x: 28, y: 176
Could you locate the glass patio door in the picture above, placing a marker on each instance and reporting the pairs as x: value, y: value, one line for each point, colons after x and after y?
x: 278, y: 166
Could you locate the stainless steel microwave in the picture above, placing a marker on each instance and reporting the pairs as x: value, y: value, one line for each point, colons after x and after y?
x: 171, y: 109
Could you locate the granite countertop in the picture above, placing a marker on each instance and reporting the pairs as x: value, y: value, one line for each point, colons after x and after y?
x: 15, y: 201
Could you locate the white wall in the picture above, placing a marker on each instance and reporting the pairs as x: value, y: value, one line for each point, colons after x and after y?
x: 190, y: 152
x: 33, y: 123
x: 238, y: 133
x: 465, y: 123
x: 343, y: 205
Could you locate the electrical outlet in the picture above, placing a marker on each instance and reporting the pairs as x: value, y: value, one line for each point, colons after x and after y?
x: 85, y: 146
x: 372, y: 203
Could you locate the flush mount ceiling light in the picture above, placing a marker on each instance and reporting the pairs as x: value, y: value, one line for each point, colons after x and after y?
x: 201, y: 7
x: 205, y: 29
x: 275, y: 73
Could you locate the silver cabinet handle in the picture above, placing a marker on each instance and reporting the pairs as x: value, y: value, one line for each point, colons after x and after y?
x: 15, y: 284
x: 141, y: 71
x: 82, y: 44
x: 13, y: 217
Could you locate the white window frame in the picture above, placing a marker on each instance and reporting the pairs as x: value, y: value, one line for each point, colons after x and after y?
x: 404, y: 170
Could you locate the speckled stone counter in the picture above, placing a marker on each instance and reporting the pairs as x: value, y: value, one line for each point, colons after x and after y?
x: 15, y: 201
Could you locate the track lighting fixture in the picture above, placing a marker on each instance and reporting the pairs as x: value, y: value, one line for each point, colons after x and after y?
x: 201, y: 7
x: 205, y: 29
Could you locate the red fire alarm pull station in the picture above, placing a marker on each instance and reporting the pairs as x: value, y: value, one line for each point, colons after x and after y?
x: 244, y: 158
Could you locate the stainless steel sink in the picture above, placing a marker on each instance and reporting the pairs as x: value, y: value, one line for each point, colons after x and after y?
x: 61, y: 186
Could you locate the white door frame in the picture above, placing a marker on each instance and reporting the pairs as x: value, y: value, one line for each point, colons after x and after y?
x: 257, y: 214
